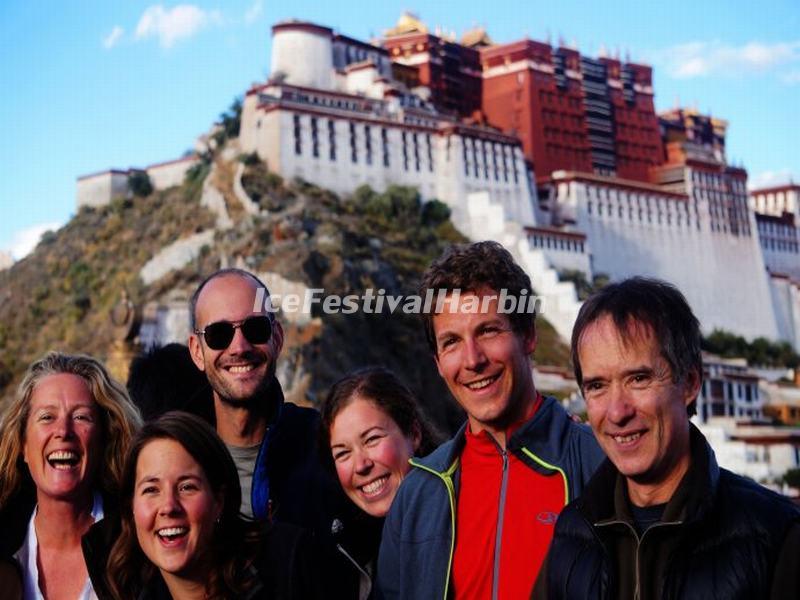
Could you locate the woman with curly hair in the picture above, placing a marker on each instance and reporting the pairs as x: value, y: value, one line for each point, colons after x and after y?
x: 63, y: 440
x: 182, y: 535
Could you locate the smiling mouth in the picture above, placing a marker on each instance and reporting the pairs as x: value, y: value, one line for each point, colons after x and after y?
x: 63, y: 460
x: 239, y: 369
x: 627, y: 439
x: 482, y: 383
x: 375, y: 487
x: 171, y: 534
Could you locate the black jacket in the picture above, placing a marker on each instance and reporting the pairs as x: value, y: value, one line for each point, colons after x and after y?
x: 290, y: 483
x: 284, y: 568
x: 721, y: 536
x: 357, y: 536
x: 14, y: 519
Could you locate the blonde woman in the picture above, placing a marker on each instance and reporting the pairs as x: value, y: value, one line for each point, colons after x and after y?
x: 63, y: 441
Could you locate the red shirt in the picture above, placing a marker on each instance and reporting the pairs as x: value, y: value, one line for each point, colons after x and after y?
x: 530, y: 505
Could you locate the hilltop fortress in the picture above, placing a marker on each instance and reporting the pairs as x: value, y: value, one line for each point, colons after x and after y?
x: 560, y: 157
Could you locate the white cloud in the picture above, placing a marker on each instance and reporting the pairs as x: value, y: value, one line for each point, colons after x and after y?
x: 172, y: 25
x: 703, y: 59
x: 25, y: 240
x: 791, y: 78
x: 113, y: 37
x: 769, y: 179
x: 253, y: 12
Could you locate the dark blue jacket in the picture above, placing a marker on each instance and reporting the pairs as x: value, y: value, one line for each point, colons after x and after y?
x: 416, y: 554
x: 289, y: 481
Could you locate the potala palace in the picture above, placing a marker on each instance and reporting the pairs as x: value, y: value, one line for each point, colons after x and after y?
x: 559, y: 156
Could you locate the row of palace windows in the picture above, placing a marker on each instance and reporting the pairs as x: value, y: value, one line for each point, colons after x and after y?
x: 779, y: 245
x: 556, y: 243
x: 641, y: 214
x: 414, y: 145
x: 501, y: 156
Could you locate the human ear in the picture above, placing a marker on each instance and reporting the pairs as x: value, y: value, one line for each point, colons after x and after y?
x: 196, y: 352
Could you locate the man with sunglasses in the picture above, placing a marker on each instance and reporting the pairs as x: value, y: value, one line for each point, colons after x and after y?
x: 236, y: 343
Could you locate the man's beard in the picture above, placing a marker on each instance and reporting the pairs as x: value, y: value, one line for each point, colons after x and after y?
x: 227, y: 395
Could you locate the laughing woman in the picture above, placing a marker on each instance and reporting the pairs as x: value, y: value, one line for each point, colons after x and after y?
x: 62, y: 443
x: 182, y: 534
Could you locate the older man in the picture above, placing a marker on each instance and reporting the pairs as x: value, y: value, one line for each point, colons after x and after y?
x: 660, y: 519
x: 474, y: 519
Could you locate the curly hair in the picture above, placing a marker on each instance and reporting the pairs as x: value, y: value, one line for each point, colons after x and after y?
x: 119, y: 417
x: 235, y: 540
x: 384, y: 389
x: 470, y: 267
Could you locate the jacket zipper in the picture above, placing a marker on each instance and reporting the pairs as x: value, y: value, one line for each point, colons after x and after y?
x: 547, y: 465
x: 637, y: 594
x: 447, y: 479
x: 498, y: 538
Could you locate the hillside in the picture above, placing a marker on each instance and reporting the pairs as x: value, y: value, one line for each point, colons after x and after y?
x: 60, y: 296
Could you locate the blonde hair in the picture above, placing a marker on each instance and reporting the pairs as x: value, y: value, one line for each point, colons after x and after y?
x: 120, y: 419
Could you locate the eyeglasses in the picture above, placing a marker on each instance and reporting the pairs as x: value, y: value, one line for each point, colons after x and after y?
x: 256, y: 330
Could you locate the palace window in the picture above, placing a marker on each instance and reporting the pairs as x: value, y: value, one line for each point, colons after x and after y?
x: 385, y: 146
x: 353, y: 147
x: 430, y: 151
x: 314, y: 138
x: 298, y: 148
x: 405, y: 151
x: 331, y: 139
x: 368, y: 143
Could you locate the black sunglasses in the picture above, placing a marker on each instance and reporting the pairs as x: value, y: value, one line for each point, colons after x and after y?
x: 256, y: 330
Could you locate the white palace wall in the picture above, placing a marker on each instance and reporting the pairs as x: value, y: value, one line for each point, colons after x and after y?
x: 320, y: 147
x: 722, y: 275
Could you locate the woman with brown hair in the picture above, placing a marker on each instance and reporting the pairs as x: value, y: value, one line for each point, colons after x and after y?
x: 182, y: 536
x: 371, y: 427
x: 63, y: 440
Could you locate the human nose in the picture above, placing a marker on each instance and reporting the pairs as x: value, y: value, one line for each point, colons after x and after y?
x: 239, y: 343
x: 64, y: 427
x: 474, y: 356
x: 170, y: 503
x: 363, y: 462
x: 620, y: 408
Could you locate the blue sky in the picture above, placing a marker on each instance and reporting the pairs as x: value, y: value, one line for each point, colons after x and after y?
x: 90, y: 85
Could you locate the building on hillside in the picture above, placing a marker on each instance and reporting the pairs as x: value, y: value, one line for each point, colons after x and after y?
x: 780, y: 243
x: 354, y: 125
x: 762, y: 452
x: 98, y: 189
x: 572, y: 112
x: 782, y: 402
x: 451, y: 71
x: 730, y: 389
x: 559, y: 156
x: 777, y: 200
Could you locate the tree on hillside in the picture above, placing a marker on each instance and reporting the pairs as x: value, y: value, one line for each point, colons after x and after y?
x: 139, y: 184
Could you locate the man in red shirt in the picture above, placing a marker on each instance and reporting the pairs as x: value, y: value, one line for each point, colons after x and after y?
x: 475, y: 518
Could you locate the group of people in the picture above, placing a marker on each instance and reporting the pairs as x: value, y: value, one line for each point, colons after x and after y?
x: 225, y: 490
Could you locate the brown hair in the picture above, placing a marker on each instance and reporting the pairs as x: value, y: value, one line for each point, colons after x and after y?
x: 120, y: 420
x: 384, y: 389
x: 235, y: 541
x: 470, y: 267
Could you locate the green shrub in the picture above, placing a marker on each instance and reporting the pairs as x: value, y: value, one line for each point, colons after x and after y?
x: 139, y: 184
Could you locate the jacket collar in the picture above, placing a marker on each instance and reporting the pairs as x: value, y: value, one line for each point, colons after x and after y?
x: 605, y: 497
x: 543, y: 434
